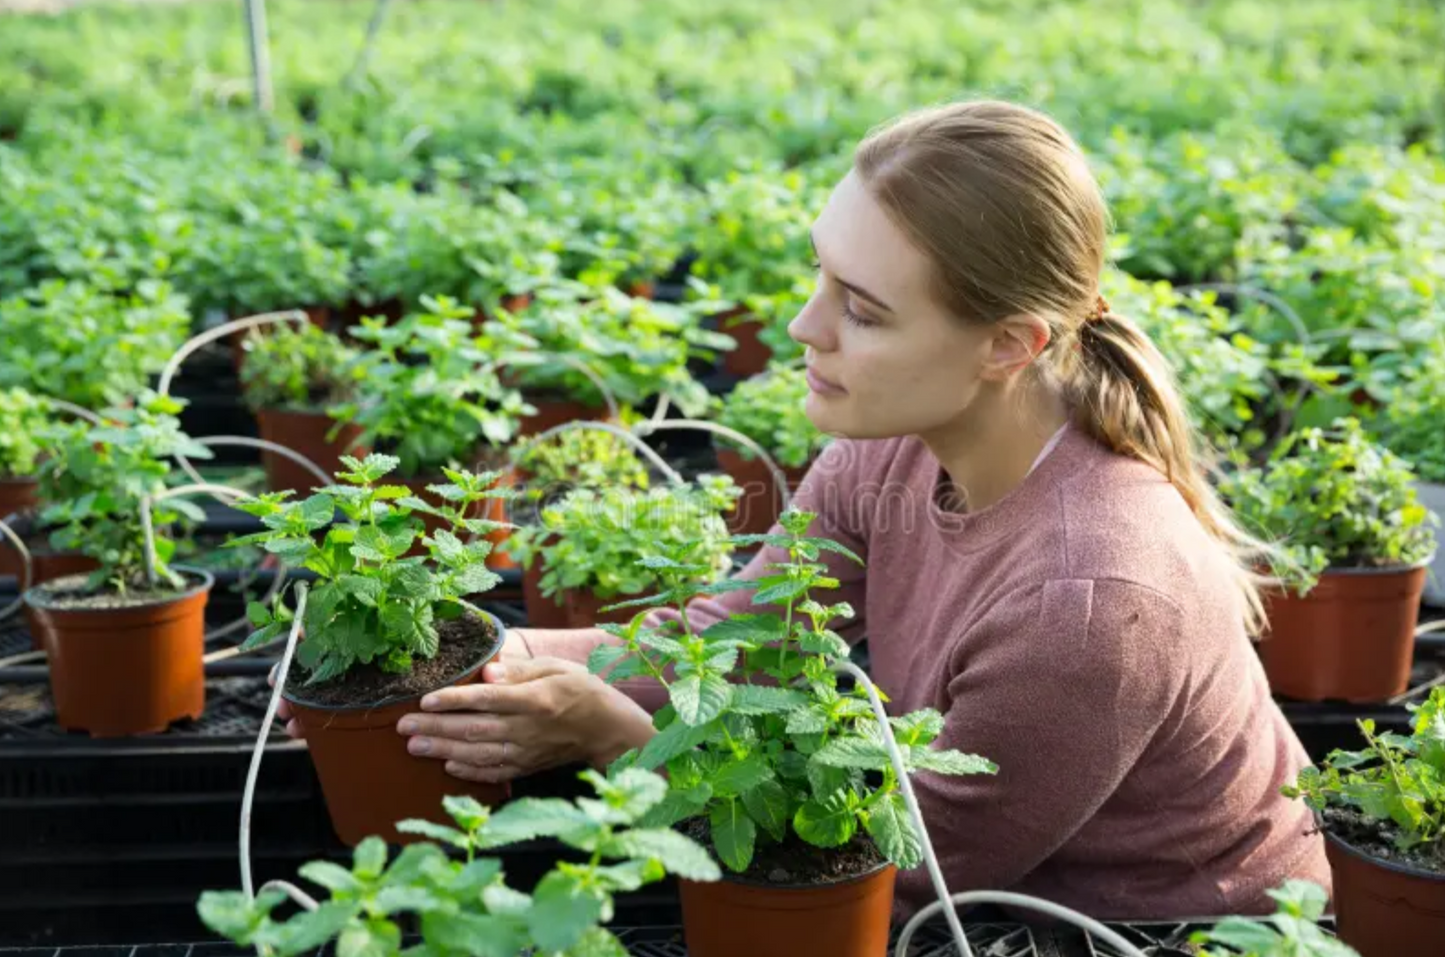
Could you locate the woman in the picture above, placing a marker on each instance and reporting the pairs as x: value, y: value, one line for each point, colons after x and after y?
x: 1046, y: 564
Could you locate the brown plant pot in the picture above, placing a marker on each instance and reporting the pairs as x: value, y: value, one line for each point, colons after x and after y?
x: 45, y: 566
x: 542, y: 612
x: 317, y: 315
x: 18, y: 495
x: 490, y: 508
x: 760, y: 505
x: 642, y: 289
x: 583, y: 609
x: 305, y: 433
x: 125, y: 670
x: 369, y: 779
x: 730, y: 918
x: 1385, y: 909
x: 752, y: 354
x: 1352, y: 638
x: 552, y: 412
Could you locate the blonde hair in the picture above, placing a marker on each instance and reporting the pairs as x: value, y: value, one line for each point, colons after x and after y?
x: 1002, y: 201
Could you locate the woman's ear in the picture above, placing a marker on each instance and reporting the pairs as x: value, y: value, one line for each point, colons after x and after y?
x: 1013, y: 343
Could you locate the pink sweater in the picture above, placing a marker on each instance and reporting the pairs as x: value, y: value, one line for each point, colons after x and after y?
x: 1082, y: 634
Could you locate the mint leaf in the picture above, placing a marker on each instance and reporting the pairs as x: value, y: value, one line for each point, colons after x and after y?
x: 563, y: 909
x: 892, y: 830
x: 920, y: 727
x: 604, y: 655
x: 853, y: 753
x: 768, y: 805
x: 733, y: 835
x: 679, y: 854
x: 765, y: 699
x: 598, y: 942
x: 479, y: 935
x: 700, y: 698
x: 333, y: 877
x: 829, y: 823
x: 369, y: 858
x: 950, y: 762
x: 466, y: 811
x: 739, y: 775
x: 672, y: 741
x: 433, y: 831
x: 526, y: 819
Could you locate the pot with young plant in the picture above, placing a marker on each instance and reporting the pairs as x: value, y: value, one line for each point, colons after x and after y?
x: 769, y: 409
x: 1382, y: 810
x: 124, y: 643
x: 787, y: 776
x: 1293, y: 930
x: 546, y: 470
x: 1412, y: 425
x: 383, y: 627
x: 23, y: 417
x: 640, y: 350
x: 429, y: 392
x: 453, y: 892
x: 291, y: 376
x: 1354, y: 546
x: 589, y: 545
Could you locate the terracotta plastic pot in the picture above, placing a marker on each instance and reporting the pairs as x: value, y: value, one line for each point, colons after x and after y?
x: 1352, y: 638
x: 127, y: 670
x: 1385, y: 909
x: 729, y: 918
x: 552, y: 412
x: 642, y: 290
x: 542, y: 612
x: 304, y: 432
x: 761, y: 504
x: 491, y: 509
x: 583, y: 609
x: 1432, y: 496
x: 752, y: 354
x: 45, y: 566
x: 369, y: 779
x: 18, y: 495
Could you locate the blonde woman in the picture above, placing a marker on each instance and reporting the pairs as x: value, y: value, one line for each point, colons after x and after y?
x: 1046, y: 564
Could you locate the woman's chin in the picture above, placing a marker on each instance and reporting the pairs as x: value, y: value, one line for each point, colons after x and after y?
x: 826, y: 412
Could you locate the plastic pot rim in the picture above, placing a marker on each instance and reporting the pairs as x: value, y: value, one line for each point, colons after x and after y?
x: 1406, y: 870
x: 496, y: 649
x: 35, y: 596
x: 729, y: 877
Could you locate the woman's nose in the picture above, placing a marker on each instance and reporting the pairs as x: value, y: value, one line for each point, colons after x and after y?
x: 810, y: 327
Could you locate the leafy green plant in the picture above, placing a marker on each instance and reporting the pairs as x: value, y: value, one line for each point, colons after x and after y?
x: 769, y: 409
x: 757, y: 739
x: 465, y: 907
x: 1333, y: 499
x: 296, y: 366
x: 594, y: 539
x: 87, y: 344
x: 372, y: 602
x: 1292, y: 931
x: 756, y: 242
x: 94, y: 478
x: 638, y: 347
x: 23, y: 418
x: 1412, y: 422
x: 579, y: 458
x: 428, y: 392
x: 1397, y: 781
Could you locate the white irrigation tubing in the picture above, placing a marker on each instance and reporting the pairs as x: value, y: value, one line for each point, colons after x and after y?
x: 660, y: 413
x: 220, y: 332
x: 27, y: 572
x: 248, y: 796
x: 930, y: 859
x: 147, y: 524
x: 592, y: 376
x: 264, y: 445
x: 628, y: 436
x: 76, y: 410
x: 779, y: 479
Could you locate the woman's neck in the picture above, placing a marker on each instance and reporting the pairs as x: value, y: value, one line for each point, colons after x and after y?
x: 988, y: 453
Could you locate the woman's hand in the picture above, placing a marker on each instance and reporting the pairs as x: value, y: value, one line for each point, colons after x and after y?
x: 529, y: 715
x: 514, y: 648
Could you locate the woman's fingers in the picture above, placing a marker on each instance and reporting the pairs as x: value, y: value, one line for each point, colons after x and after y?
x: 508, y: 689
x: 472, y: 728
x: 485, y: 774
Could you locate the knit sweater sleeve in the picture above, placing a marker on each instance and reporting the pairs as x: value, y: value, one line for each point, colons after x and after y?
x: 1063, y: 689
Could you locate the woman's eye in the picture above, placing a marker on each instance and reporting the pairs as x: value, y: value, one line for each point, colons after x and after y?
x: 850, y: 316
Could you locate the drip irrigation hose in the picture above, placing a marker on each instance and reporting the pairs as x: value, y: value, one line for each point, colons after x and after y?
x: 248, y: 796
x: 631, y: 437
x: 950, y: 914
x: 779, y: 479
x: 77, y: 411
x: 27, y: 572
x: 220, y: 332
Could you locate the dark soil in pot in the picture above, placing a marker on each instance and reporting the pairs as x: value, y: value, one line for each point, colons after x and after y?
x: 793, y: 862
x: 123, y: 665
x: 369, y: 779
x: 1388, y: 903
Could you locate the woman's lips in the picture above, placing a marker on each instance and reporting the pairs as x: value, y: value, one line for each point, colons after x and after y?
x: 823, y: 386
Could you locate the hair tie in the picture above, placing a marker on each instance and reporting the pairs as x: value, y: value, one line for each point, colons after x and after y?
x: 1100, y: 310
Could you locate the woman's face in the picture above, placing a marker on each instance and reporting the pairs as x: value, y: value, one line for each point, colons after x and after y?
x: 884, y: 358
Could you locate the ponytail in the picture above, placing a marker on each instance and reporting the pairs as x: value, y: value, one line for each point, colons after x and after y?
x: 1124, y: 395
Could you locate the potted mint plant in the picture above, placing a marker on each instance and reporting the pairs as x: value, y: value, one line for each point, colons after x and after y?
x: 290, y: 377
x: 784, y: 773
x: 466, y: 906
x: 1382, y: 810
x: 769, y: 409
x: 590, y: 544
x: 1354, y: 546
x: 546, y: 470
x: 22, y: 418
x: 429, y: 392
x: 125, y: 643
x: 383, y: 627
